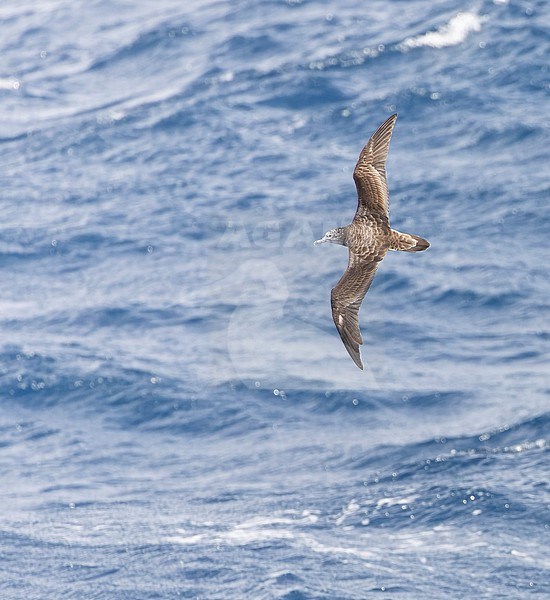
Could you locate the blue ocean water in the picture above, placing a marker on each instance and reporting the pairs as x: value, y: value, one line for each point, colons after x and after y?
x: 179, y: 416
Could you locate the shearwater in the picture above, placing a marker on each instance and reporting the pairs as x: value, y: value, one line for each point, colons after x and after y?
x: 368, y: 238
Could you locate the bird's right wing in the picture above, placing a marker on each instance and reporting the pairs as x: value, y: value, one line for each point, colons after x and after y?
x: 370, y: 173
x: 346, y: 298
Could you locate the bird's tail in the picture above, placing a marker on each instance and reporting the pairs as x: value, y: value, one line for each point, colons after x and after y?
x: 421, y: 244
x: 407, y: 242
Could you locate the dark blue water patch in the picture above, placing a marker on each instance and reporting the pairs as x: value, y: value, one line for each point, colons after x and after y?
x: 168, y: 36
x: 471, y: 300
x: 25, y: 244
x: 524, y: 355
x: 246, y: 45
x: 306, y: 91
x: 460, y: 455
x: 492, y: 137
x: 414, y: 498
x: 193, y: 107
x: 70, y: 487
x: 129, y: 397
x: 23, y: 432
x: 178, y: 120
x: 298, y: 595
x: 441, y: 400
x: 368, y: 403
x: 392, y: 281
x: 130, y: 316
x: 286, y: 578
x: 524, y: 436
x: 16, y: 137
x: 81, y: 244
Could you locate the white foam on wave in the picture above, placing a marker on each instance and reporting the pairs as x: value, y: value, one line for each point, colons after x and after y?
x: 9, y: 83
x: 253, y: 530
x: 450, y: 34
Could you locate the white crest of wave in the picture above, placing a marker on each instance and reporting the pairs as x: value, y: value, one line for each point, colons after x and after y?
x: 9, y: 84
x: 454, y: 32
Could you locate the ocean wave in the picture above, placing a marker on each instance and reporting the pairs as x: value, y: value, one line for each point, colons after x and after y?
x: 174, y: 390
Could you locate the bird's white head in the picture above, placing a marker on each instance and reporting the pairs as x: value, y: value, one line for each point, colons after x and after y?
x: 335, y: 236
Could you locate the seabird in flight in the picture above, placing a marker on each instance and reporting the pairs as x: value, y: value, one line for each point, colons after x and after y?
x: 368, y: 238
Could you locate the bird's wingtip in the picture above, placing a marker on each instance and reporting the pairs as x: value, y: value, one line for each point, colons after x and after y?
x: 357, y: 360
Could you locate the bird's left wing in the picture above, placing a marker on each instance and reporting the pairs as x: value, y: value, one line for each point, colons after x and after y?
x: 346, y: 298
x: 370, y: 173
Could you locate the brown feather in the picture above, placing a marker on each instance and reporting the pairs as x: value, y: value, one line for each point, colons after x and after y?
x: 346, y: 298
x: 370, y: 173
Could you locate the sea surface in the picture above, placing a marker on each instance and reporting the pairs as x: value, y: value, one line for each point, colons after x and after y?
x: 179, y: 418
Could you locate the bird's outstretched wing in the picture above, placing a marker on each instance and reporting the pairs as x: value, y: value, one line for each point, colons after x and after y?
x: 370, y: 173
x: 345, y: 300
